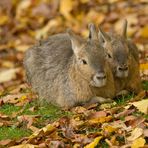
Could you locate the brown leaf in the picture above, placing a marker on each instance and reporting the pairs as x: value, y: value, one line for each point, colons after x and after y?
x: 140, y: 96
x: 29, y: 118
x: 145, y: 132
x: 5, y: 142
x: 97, y: 114
x: 15, y: 98
x: 79, y: 109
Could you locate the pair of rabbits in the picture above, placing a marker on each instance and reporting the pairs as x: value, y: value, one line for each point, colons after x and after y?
x: 67, y: 70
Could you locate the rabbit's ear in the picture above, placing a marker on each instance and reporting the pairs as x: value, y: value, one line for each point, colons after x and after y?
x: 76, y: 42
x: 92, y: 32
x: 103, y: 37
x: 124, y: 29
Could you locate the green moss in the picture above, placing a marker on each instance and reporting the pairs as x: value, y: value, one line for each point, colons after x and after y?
x: 47, y: 113
x: 123, y: 99
x: 145, y: 85
x: 13, y: 133
x: 8, y: 109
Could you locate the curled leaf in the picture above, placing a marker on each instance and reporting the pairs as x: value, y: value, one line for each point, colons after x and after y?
x: 94, y: 143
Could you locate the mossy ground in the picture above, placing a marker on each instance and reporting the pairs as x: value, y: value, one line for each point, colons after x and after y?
x: 47, y: 112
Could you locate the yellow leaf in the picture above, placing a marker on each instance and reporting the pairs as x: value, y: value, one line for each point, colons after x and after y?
x: 142, y: 105
x: 76, y: 145
x: 8, y: 74
x: 35, y: 134
x: 48, y: 128
x: 22, y: 47
x: 137, y: 132
x: 138, y: 143
x: 7, y: 64
x: 100, y: 120
x: 84, y: 1
x: 94, y: 143
x: 109, y: 129
x: 95, y: 17
x: 144, y: 66
x: 3, y: 20
x: 113, y: 1
x: 107, y: 105
x: 22, y: 98
x: 144, y: 32
x: 22, y: 6
x: 43, y: 32
x: 65, y: 7
x: 25, y: 146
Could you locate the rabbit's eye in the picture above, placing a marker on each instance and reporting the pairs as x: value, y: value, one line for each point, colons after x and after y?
x: 82, y: 61
x: 109, y: 56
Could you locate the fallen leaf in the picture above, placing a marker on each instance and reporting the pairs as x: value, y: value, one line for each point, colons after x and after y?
x: 22, y: 47
x: 25, y: 146
x: 124, y: 113
x: 48, y: 128
x: 23, y: 5
x: 137, y: 132
x: 145, y: 132
x: 144, y: 31
x: 4, y: 19
x: 109, y: 129
x: 97, y: 114
x: 65, y: 8
x: 144, y: 66
x: 140, y: 96
x: 43, y: 32
x: 29, y: 118
x: 5, y: 142
x: 94, y: 143
x: 100, y: 120
x: 138, y: 143
x: 33, y: 128
x: 94, y: 16
x: 79, y: 109
x: 141, y: 105
x: 14, y: 98
x: 8, y: 75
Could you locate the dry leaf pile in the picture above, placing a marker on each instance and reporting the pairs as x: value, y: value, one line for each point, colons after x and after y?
x: 122, y: 126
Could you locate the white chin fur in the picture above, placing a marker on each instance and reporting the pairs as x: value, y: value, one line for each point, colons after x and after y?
x: 98, y: 83
x: 122, y: 74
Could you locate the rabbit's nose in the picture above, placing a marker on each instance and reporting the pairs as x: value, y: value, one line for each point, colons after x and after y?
x: 123, y: 67
x: 100, y: 76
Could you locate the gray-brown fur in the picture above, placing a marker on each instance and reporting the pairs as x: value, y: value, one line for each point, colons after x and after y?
x: 57, y: 74
x: 122, y: 53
